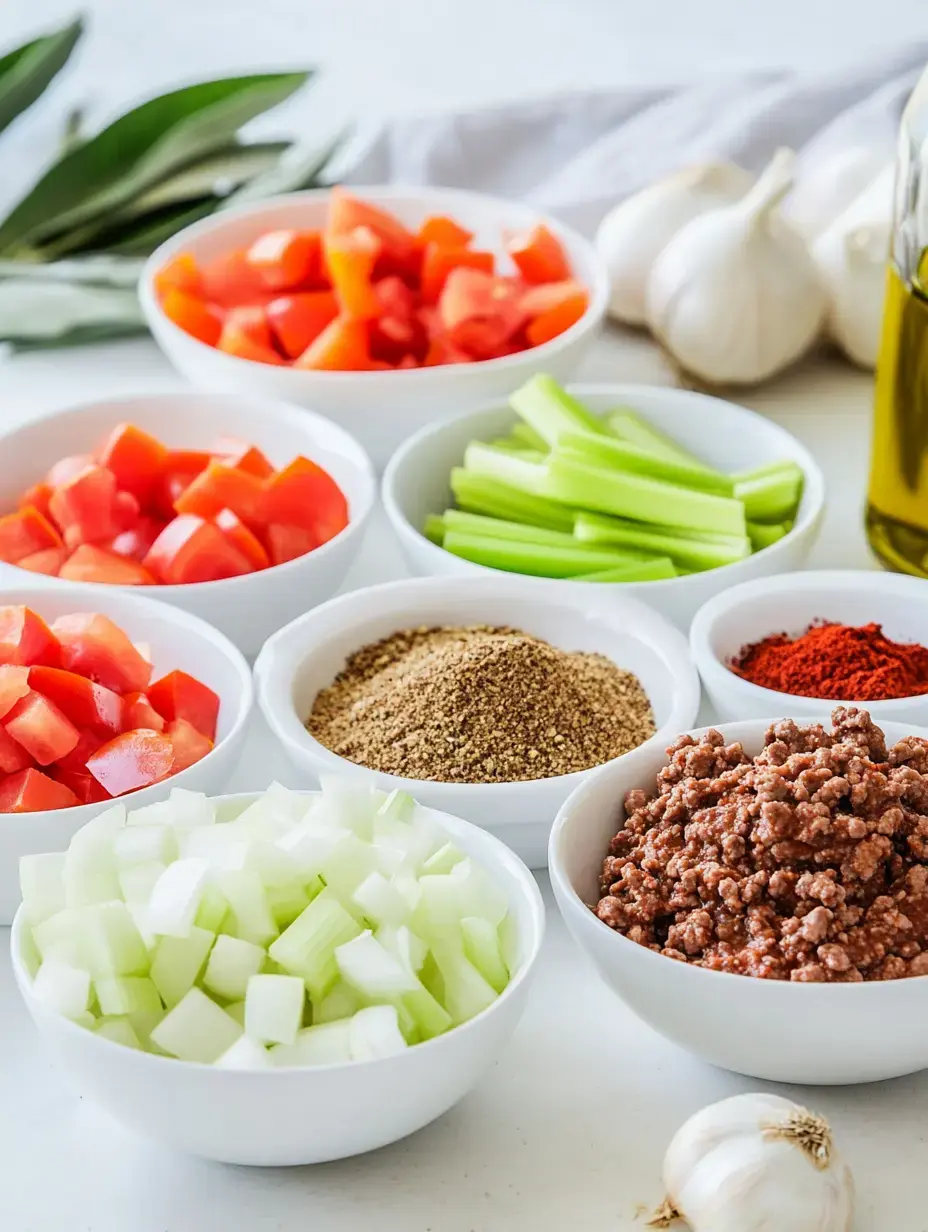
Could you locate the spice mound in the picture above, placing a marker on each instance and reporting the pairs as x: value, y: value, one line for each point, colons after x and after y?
x: 479, y: 705
x: 837, y: 663
x: 807, y: 863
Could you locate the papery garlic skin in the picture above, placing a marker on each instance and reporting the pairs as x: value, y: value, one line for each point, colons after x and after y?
x: 757, y: 1163
x: 825, y: 190
x: 632, y: 235
x: 735, y: 296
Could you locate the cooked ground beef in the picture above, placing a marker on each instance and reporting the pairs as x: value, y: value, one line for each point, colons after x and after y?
x: 809, y: 862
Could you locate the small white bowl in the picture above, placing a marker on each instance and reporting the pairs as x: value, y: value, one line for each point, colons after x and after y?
x: 303, y: 1116
x: 305, y: 657
x: 247, y: 609
x: 777, y: 1030
x: 177, y: 641
x: 416, y: 483
x: 789, y: 603
x: 379, y: 408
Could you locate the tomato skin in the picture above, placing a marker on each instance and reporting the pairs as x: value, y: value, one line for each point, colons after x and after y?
x: 438, y: 264
x: 224, y: 487
x: 85, y: 704
x: 38, y: 496
x: 286, y: 542
x: 93, y: 646
x: 131, y: 761
x: 444, y: 231
x: 242, y: 455
x: 25, y: 639
x: 43, y: 730
x: 242, y: 539
x: 24, y: 533
x: 343, y: 346
x: 85, y: 507
x: 180, y: 696
x: 13, y: 756
x: 305, y: 495
x: 286, y: 258
x: 136, y: 542
x: 190, y: 549
x: 480, y: 312
x: 30, y: 791
x: 350, y: 260
x: 297, y: 320
x: 539, y: 256
x: 348, y: 212
x: 14, y: 684
x: 189, y: 745
x: 66, y: 468
x: 136, y: 459
x: 180, y: 470
x: 81, y: 783
x: 247, y: 335
x: 137, y: 711
x: 193, y: 315
x: 48, y: 561
x: 180, y: 273
x: 87, y: 743
x: 90, y: 563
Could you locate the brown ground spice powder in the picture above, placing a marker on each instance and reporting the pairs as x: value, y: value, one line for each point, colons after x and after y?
x: 479, y: 705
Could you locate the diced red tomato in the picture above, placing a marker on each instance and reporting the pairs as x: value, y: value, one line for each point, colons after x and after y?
x: 189, y: 745
x: 547, y: 295
x: 135, y: 543
x: 94, y: 646
x: 288, y: 542
x: 24, y: 533
x: 287, y: 258
x: 224, y: 487
x: 343, y: 346
x: 180, y: 273
x: 247, y: 335
x: 66, y: 468
x: 539, y: 256
x: 136, y: 459
x: 193, y: 315
x: 85, y: 704
x: 443, y: 351
x: 190, y: 549
x: 480, y: 312
x: 30, y: 791
x: 81, y: 783
x: 43, y: 730
x: 242, y: 456
x: 48, y: 561
x: 181, y: 468
x: 180, y: 696
x: 25, y: 638
x: 444, y: 231
x: 38, y: 496
x: 438, y: 263
x: 14, y: 684
x: 88, y: 742
x: 133, y: 760
x: 229, y: 280
x: 242, y: 539
x: 348, y: 212
x: 303, y: 494
x: 90, y: 563
x: 408, y: 361
x: 350, y: 258
x: 137, y: 711
x: 297, y: 320
x: 556, y: 320
x: 13, y: 756
x: 86, y: 505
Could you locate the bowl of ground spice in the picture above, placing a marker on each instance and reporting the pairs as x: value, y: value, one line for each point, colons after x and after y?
x: 800, y: 642
x: 475, y: 697
x: 758, y: 893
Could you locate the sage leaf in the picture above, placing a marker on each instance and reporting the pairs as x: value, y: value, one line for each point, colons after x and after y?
x: 96, y: 271
x: 142, y: 236
x: 299, y: 168
x: 138, y: 150
x: 34, y: 313
x: 26, y: 72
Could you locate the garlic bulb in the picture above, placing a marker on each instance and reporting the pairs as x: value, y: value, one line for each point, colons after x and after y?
x: 829, y: 186
x: 756, y: 1163
x: 735, y: 296
x: 632, y: 235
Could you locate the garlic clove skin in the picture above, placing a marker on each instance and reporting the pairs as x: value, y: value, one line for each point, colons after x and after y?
x: 827, y: 188
x: 735, y: 296
x: 632, y: 235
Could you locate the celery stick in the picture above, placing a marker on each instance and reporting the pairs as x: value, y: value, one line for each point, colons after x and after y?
x: 763, y: 534
x: 642, y: 499
x: 518, y: 450
x: 528, y: 436
x: 478, y: 494
x: 434, y: 528
x: 498, y: 528
x: 772, y: 497
x: 768, y: 468
x: 629, y: 426
x: 492, y: 463
x: 683, y: 548
x: 539, y: 560
x: 655, y: 570
x: 624, y: 456
x: 550, y: 410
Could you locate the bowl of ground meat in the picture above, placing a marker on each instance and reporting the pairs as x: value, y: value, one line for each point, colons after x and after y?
x: 758, y: 894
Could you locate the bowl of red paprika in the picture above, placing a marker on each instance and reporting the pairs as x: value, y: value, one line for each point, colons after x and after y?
x: 788, y: 644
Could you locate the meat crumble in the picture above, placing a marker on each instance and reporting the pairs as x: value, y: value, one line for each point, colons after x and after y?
x: 808, y: 862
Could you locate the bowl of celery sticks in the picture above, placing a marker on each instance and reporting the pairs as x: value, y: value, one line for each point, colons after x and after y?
x: 671, y: 494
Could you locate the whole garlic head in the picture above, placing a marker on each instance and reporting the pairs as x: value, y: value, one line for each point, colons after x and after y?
x: 757, y: 1163
x: 632, y: 235
x: 735, y: 296
x: 827, y: 188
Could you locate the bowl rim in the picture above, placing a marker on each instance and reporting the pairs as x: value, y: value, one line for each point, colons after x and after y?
x: 498, y: 854
x: 177, y: 616
x: 656, y: 631
x: 597, y: 284
x: 709, y: 664
x: 266, y: 408
x: 814, y: 479
x: 581, y: 916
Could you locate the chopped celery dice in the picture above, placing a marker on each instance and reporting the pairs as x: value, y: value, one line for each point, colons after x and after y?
x: 119, y: 1030
x: 340, y: 1002
x: 274, y: 1008
x: 41, y: 881
x: 482, y: 948
x: 137, y: 881
x: 372, y: 970
x: 176, y: 897
x: 770, y: 495
x: 443, y: 860
x: 245, y: 1053
x: 62, y: 988
x: 764, y: 534
x: 380, y: 901
x: 110, y: 941
x: 144, y: 844
x: 213, y: 909
x: 466, y: 992
x: 196, y: 1029
x: 307, y: 947
x: 247, y: 898
x: 232, y: 963
x: 375, y: 1033
x: 286, y: 902
x: 131, y: 996
x: 326, y: 1044
x: 177, y: 963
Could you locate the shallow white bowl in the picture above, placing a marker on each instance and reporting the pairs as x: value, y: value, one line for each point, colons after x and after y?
x: 305, y: 657
x: 771, y: 1029
x: 247, y: 609
x: 177, y: 641
x: 379, y: 408
x: 416, y: 483
x: 789, y: 604
x: 303, y: 1116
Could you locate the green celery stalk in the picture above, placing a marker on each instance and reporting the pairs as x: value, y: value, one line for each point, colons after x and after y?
x: 481, y: 459
x: 631, y: 427
x: 528, y: 436
x: 641, y: 499
x: 434, y: 528
x: 763, y: 534
x: 624, y: 456
x: 536, y: 559
x: 768, y: 468
x: 655, y: 570
x: 497, y: 528
x: 509, y: 444
x: 688, y: 551
x: 771, y: 497
x: 479, y: 494
x: 550, y: 410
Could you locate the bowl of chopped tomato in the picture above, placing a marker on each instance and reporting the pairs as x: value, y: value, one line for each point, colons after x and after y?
x: 106, y: 697
x: 242, y: 511
x: 384, y: 308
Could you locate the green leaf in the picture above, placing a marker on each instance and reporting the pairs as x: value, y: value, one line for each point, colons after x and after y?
x: 26, y: 72
x: 299, y: 169
x: 137, y: 237
x: 96, y: 271
x: 139, y: 149
x: 217, y: 175
x: 43, y: 314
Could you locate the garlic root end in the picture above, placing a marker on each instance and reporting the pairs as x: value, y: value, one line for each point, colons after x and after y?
x: 664, y: 1216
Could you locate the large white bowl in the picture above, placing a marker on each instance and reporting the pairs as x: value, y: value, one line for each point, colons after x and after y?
x: 177, y: 641
x: 789, y: 603
x: 771, y: 1029
x: 416, y: 483
x: 303, y: 1116
x: 379, y: 408
x: 248, y: 609
x: 305, y: 657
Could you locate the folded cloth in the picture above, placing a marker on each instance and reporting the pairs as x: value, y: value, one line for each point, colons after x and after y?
x: 576, y: 156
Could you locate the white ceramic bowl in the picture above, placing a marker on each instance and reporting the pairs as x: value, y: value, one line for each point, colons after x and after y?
x: 416, y: 483
x: 305, y: 657
x: 303, y: 1116
x: 177, y: 641
x: 379, y: 408
x: 247, y: 609
x: 771, y: 1029
x: 789, y: 604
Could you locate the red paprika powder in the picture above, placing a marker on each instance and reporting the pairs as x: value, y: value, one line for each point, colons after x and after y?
x: 837, y: 663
